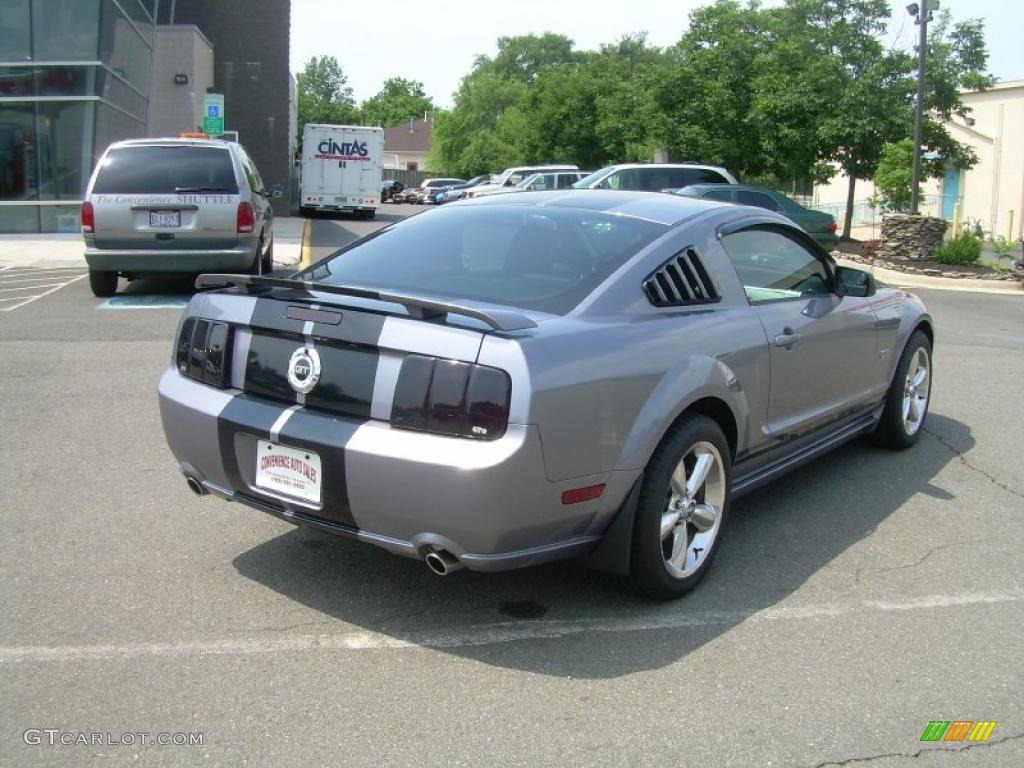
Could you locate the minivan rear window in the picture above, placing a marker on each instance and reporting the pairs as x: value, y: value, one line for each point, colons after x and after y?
x: 167, y: 169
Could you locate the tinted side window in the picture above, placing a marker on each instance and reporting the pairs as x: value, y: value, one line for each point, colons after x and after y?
x: 627, y: 179
x: 758, y: 199
x: 724, y: 195
x: 773, y: 265
x: 159, y: 170
x: 704, y: 176
x: 566, y: 180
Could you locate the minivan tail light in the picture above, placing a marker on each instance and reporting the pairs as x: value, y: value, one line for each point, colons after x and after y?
x: 832, y: 228
x: 246, y: 217
x: 88, y: 217
x: 449, y: 397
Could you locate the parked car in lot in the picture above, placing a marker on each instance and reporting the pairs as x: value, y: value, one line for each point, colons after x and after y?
x: 668, y: 353
x: 457, y: 191
x: 405, y: 195
x: 510, y: 177
x: 389, y: 188
x: 818, y: 224
x: 544, y: 182
x: 655, y: 177
x: 159, y: 206
x: 429, y: 187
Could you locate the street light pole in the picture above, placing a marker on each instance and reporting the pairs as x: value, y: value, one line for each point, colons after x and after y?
x: 923, y: 12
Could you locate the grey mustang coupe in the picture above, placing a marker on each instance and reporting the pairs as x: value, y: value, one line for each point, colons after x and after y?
x: 502, y: 382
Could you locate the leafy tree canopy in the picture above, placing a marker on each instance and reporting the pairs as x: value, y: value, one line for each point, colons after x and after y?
x: 324, y: 94
x: 398, y: 100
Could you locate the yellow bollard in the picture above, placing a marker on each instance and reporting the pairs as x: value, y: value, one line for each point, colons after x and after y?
x: 956, y: 220
x: 1009, y: 228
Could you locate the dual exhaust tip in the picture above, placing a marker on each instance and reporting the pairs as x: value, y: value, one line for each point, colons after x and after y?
x: 442, y: 562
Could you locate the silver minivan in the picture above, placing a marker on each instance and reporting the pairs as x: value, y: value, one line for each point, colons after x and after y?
x: 159, y: 206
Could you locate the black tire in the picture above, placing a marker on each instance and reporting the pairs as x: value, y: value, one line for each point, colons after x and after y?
x: 103, y: 284
x: 305, y: 212
x: 256, y: 268
x: 368, y: 215
x: 893, y: 431
x: 649, y: 570
x: 268, y: 258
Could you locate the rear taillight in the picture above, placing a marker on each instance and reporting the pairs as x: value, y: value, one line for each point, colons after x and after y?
x: 88, y: 217
x: 201, y: 352
x: 448, y: 397
x: 246, y: 218
x: 832, y: 228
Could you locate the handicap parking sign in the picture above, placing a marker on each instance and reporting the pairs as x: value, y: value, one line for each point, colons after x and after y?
x: 213, y: 110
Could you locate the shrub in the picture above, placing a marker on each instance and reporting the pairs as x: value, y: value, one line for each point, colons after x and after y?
x: 1003, y: 247
x: 965, y: 248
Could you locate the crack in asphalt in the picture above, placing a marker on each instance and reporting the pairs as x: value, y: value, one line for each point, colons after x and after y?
x: 920, y: 560
x: 963, y: 460
x: 920, y: 752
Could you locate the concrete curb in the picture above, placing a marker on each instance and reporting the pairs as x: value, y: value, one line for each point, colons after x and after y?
x: 906, y: 280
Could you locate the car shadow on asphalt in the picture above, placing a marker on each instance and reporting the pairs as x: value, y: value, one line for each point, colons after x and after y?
x: 776, y: 540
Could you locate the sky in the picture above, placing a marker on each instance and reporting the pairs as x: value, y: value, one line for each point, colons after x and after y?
x: 435, y: 41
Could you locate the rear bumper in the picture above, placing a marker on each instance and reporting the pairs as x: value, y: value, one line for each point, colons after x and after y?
x: 488, y: 503
x: 146, y: 261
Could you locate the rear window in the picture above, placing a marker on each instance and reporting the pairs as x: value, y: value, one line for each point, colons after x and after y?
x: 546, y: 259
x: 158, y: 170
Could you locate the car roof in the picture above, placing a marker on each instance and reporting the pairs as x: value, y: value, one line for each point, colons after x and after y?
x: 731, y: 188
x: 623, y: 166
x: 174, y: 141
x: 652, y: 206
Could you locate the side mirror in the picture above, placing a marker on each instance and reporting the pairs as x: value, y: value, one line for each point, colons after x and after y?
x: 276, y: 190
x: 855, y: 282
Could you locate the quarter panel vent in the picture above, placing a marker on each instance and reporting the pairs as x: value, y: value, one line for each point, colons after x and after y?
x: 681, y: 281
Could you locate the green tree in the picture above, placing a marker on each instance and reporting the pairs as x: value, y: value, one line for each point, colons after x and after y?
x: 524, y: 57
x: 398, y: 100
x: 324, y: 94
x: 894, y: 175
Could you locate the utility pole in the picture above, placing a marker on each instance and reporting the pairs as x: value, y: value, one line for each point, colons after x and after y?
x: 923, y: 14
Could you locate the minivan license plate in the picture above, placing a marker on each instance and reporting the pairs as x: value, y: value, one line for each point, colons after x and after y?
x: 165, y: 218
x: 288, y: 471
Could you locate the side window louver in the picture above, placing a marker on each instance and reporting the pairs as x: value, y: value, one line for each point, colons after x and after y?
x: 681, y: 281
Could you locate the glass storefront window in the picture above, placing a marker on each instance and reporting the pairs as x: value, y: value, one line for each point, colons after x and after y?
x: 64, y: 30
x: 112, y: 126
x: 60, y: 218
x: 19, y: 218
x: 47, y: 81
x: 118, y: 93
x: 15, y: 40
x: 65, y: 148
x: 18, y: 168
x: 123, y: 49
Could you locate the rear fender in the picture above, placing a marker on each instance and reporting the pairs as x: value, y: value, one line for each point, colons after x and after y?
x: 693, y: 379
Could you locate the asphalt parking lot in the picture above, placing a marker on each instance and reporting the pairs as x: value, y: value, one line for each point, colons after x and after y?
x: 852, y: 602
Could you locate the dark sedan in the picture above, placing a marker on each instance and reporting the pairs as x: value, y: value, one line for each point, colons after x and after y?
x: 821, y: 226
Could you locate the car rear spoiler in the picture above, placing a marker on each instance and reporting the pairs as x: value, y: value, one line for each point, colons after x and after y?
x: 418, y: 308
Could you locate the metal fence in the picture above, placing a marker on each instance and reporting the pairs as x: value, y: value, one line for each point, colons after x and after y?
x: 866, y: 215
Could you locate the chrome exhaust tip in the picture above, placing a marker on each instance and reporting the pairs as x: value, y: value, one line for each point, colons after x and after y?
x: 195, y: 486
x: 442, y: 562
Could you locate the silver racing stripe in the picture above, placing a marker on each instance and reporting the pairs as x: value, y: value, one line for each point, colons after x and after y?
x: 240, y: 356
x: 277, y: 426
x: 386, y: 379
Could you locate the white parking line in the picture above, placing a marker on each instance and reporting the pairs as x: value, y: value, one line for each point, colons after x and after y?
x: 490, y: 634
x: 40, y: 281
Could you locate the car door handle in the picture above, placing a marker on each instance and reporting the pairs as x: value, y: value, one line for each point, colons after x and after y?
x: 787, y: 338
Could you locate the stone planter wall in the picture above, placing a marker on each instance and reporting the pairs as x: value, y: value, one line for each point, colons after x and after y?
x: 910, y: 237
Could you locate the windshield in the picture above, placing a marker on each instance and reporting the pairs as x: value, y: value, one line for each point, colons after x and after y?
x: 588, y: 181
x: 545, y: 259
x: 167, y: 169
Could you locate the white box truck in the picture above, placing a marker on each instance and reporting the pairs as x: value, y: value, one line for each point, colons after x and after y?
x: 341, y: 169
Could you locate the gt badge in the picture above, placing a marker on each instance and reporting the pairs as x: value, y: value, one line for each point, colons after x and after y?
x: 304, y: 369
